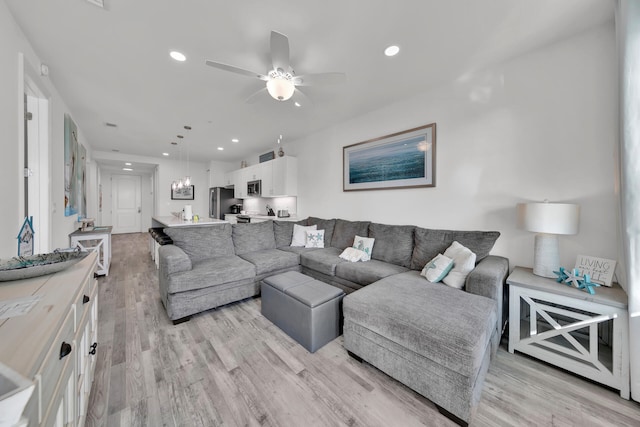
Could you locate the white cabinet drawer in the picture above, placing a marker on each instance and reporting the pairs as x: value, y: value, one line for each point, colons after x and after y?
x: 51, y: 370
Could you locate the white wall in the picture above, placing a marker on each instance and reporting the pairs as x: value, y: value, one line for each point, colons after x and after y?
x: 168, y: 171
x: 12, y: 44
x: 542, y: 126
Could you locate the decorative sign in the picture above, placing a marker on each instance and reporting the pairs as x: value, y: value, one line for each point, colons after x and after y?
x: 600, y: 270
x: 25, y: 238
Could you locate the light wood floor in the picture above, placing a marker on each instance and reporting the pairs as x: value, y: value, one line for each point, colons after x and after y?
x: 232, y: 367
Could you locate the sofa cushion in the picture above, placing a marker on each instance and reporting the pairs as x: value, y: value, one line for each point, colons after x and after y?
x: 394, y: 243
x: 446, y: 325
x: 324, y: 224
x: 429, y: 243
x: 283, y: 231
x: 254, y: 236
x: 269, y: 260
x: 345, y: 231
x: 211, y: 272
x: 298, y: 250
x: 322, y: 260
x: 203, y: 242
x: 364, y: 273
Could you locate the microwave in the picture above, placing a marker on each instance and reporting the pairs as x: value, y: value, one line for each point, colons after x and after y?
x: 254, y: 188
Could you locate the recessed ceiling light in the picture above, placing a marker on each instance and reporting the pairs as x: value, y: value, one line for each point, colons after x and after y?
x: 297, y: 104
x: 392, y: 50
x: 165, y: 154
x: 127, y: 169
x: 178, y: 56
x: 235, y: 140
x: 220, y: 148
x: 127, y: 164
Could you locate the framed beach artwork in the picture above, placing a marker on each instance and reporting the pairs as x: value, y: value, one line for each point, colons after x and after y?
x: 401, y: 160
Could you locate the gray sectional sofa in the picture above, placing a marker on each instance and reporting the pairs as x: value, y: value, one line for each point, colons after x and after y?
x: 435, y: 339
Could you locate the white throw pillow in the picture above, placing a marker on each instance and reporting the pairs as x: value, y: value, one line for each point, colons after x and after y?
x: 437, y: 268
x: 464, y: 262
x: 300, y: 234
x: 364, y: 244
x: 352, y: 254
x: 315, y: 239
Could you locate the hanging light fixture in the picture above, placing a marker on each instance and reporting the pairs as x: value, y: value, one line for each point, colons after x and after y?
x: 280, y: 85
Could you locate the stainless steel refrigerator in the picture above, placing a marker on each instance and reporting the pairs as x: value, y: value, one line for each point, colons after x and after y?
x: 220, y: 201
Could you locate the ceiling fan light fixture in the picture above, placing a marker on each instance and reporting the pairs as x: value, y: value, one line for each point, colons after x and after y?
x: 280, y: 88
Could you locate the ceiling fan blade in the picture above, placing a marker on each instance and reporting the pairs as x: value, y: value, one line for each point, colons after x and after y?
x: 280, y: 51
x: 236, y: 70
x: 255, y: 96
x: 320, y: 79
x: 300, y: 99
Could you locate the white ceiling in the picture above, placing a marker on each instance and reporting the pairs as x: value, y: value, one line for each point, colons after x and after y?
x: 112, y: 64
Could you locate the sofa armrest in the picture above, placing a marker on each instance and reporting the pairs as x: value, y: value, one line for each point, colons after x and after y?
x: 173, y: 260
x: 488, y: 280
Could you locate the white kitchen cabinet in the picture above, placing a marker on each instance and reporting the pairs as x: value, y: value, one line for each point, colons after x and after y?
x: 279, y: 178
x: 239, y: 184
x: 266, y: 175
x: 284, y: 177
x: 229, y: 178
x: 55, y: 343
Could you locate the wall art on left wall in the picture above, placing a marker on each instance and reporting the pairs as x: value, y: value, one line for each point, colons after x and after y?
x: 75, y: 189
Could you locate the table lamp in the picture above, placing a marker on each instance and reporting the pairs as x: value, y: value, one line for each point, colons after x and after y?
x: 548, y: 220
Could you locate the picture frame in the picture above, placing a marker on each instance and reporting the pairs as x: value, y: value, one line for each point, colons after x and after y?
x: 184, y: 193
x: 404, y: 159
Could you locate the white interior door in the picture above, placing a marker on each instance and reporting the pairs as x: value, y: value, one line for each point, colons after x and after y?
x: 126, y: 204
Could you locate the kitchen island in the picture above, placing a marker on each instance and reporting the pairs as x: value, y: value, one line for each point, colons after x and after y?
x: 174, y: 221
x: 170, y: 221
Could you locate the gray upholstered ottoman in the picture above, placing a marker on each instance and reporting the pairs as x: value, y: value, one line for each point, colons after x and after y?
x: 308, y: 310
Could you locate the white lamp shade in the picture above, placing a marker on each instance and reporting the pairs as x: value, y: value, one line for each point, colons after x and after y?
x: 280, y: 89
x: 551, y: 218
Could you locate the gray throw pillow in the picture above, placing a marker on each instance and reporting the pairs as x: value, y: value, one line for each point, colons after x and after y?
x: 393, y: 244
x: 203, y: 241
x: 283, y: 231
x: 254, y: 236
x: 429, y: 243
x: 345, y: 231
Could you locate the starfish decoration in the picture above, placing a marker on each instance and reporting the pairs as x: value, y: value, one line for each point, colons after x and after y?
x: 588, y: 285
x: 561, y: 275
x: 573, y: 278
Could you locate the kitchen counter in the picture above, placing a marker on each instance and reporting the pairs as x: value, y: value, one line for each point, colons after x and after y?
x: 260, y: 218
x: 173, y: 221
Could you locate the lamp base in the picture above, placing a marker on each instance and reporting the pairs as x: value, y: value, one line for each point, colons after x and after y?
x: 546, y: 256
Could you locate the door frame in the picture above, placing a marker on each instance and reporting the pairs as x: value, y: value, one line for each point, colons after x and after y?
x: 40, y: 206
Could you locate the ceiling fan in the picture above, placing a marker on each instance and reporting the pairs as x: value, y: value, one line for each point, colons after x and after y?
x: 281, y: 80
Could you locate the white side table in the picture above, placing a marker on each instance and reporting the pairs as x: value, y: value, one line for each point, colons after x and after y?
x: 561, y: 325
x: 97, y: 240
